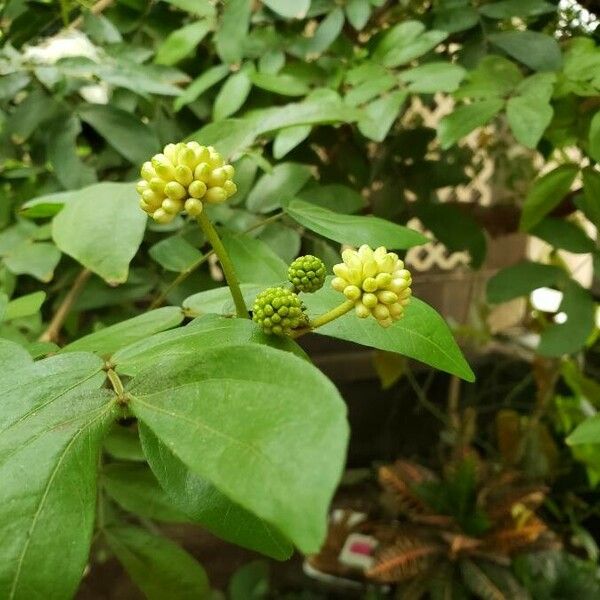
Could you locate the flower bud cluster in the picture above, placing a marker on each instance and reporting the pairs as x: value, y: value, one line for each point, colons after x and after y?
x: 376, y: 281
x: 278, y: 311
x: 181, y: 178
x: 307, y: 273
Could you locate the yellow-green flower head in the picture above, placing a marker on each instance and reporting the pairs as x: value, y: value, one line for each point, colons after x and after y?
x: 376, y: 281
x: 181, y: 178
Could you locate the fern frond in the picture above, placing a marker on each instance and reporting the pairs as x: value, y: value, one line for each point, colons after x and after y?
x: 511, y: 539
x: 479, y: 583
x: 406, y: 559
x: 400, y: 479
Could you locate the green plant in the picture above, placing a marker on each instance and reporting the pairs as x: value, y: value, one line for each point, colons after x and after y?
x: 107, y: 318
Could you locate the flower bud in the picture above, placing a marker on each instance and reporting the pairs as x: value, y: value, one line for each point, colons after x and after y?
x: 182, y: 172
x: 278, y: 311
x: 376, y: 281
x: 307, y: 273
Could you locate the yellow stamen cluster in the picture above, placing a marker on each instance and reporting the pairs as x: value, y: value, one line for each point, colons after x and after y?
x: 181, y: 178
x: 376, y: 281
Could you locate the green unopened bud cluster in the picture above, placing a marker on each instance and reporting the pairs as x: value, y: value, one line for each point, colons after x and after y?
x: 181, y: 178
x: 278, y: 311
x: 307, y: 274
x: 376, y: 281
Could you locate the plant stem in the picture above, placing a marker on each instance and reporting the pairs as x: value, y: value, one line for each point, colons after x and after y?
x: 198, y: 263
x: 331, y: 315
x: 334, y: 313
x: 232, y: 281
x: 55, y: 325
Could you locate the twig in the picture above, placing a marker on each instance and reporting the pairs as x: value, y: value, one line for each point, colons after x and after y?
x: 55, y: 325
x: 421, y: 396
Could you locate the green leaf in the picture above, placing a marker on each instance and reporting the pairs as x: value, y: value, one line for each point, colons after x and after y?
x: 455, y: 229
x: 516, y: 8
x: 123, y: 131
x: 25, y: 306
x: 182, y: 42
x: 283, y: 84
x: 494, y: 77
x: 208, y: 331
x: 358, y: 13
x: 277, y: 186
x: 223, y: 414
x: 202, y: 83
x: 135, y: 489
x: 406, y: 51
x: 594, y: 137
x: 231, y: 136
x: 175, y: 253
x: 158, y: 566
x: 587, y: 432
x: 421, y: 334
x: 353, y: 229
x: 537, y: 50
x: 394, y: 37
x: 290, y: 9
x: 433, y: 77
x: 461, y: 121
x: 520, y: 280
x: 564, y: 234
x: 254, y: 261
x: 250, y: 582
x: 232, y: 95
x: 13, y: 356
x: 290, y: 137
x: 285, y: 242
x: 102, y: 229
x: 571, y: 336
x: 123, y: 443
x: 47, y: 205
x: 589, y: 203
x: 62, y: 154
x: 204, y: 504
x: 336, y: 197
x: 200, y: 8
x: 33, y: 258
x: 110, y: 339
x: 53, y: 419
x: 231, y: 33
x: 455, y: 16
x: 325, y: 34
x: 528, y: 117
x: 218, y: 301
x: 369, y: 89
x: 380, y: 115
x: 546, y: 194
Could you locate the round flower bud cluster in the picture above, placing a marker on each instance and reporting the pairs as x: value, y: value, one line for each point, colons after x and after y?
x: 278, y: 311
x: 376, y: 281
x: 181, y: 178
x: 307, y: 274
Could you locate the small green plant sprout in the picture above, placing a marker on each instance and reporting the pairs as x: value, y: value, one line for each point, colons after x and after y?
x: 375, y: 283
x: 279, y: 311
x: 182, y: 177
x: 307, y: 273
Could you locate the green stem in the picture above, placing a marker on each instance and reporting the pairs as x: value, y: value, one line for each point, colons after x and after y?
x: 197, y: 264
x: 215, y: 241
x: 334, y: 313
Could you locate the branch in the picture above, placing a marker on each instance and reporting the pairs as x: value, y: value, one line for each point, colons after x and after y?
x: 55, y: 325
